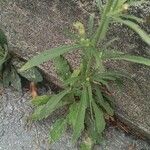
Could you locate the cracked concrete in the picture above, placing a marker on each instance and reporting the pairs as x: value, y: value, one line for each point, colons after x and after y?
x: 33, y: 26
x: 16, y: 134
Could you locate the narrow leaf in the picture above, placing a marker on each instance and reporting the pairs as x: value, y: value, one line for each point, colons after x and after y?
x: 58, y: 129
x: 40, y: 100
x: 135, y: 59
x: 73, y: 111
x: 91, y: 24
x: 79, y: 124
x: 90, y: 94
x: 45, y: 110
x: 135, y: 27
x: 120, y: 56
x: 103, y: 103
x: 132, y: 17
x: 99, y: 118
x: 48, y: 55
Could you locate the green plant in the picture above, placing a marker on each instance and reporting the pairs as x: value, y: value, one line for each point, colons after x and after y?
x: 9, y: 73
x: 86, y: 91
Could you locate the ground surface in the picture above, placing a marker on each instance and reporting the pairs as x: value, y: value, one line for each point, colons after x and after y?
x: 15, y: 134
x: 33, y: 26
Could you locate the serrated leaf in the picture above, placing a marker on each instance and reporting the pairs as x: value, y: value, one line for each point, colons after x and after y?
x: 62, y: 67
x: 79, y: 124
x: 48, y: 55
x: 54, y: 103
x: 40, y: 100
x: 99, y: 118
x: 58, y: 129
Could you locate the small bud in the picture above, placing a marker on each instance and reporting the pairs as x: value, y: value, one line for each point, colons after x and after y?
x: 87, y: 79
x: 80, y: 28
x: 125, y: 6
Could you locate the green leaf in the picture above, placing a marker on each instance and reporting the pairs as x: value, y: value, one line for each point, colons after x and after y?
x: 90, y: 94
x: 3, y: 57
x: 99, y: 118
x: 91, y: 24
x: 6, y: 77
x: 110, y: 54
x: 3, y: 39
x: 87, y: 144
x: 48, y: 55
x: 92, y: 132
x: 11, y: 77
x: 79, y: 124
x: 110, y: 42
x: 71, y: 81
x: 104, y: 23
x: 135, y: 27
x: 54, y: 103
x: 115, y: 75
x: 136, y: 2
x: 100, y: 81
x: 32, y: 75
x: 135, y: 59
x: 15, y: 80
x: 62, y: 67
x: 73, y: 111
x: 103, y: 103
x: 58, y: 129
x: 99, y: 4
x: 132, y: 17
x: 40, y: 100
x: 120, y: 56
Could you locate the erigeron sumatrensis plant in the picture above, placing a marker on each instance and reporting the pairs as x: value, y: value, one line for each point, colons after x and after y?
x: 86, y: 89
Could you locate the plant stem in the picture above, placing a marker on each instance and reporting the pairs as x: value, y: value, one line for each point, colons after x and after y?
x: 103, y: 26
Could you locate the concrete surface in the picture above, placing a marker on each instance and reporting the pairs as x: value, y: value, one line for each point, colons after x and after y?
x: 33, y: 26
x: 17, y: 134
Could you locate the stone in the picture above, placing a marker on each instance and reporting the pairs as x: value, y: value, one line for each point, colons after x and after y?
x: 35, y: 26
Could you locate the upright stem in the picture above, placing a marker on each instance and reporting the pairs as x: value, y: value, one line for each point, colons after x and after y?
x: 102, y: 29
